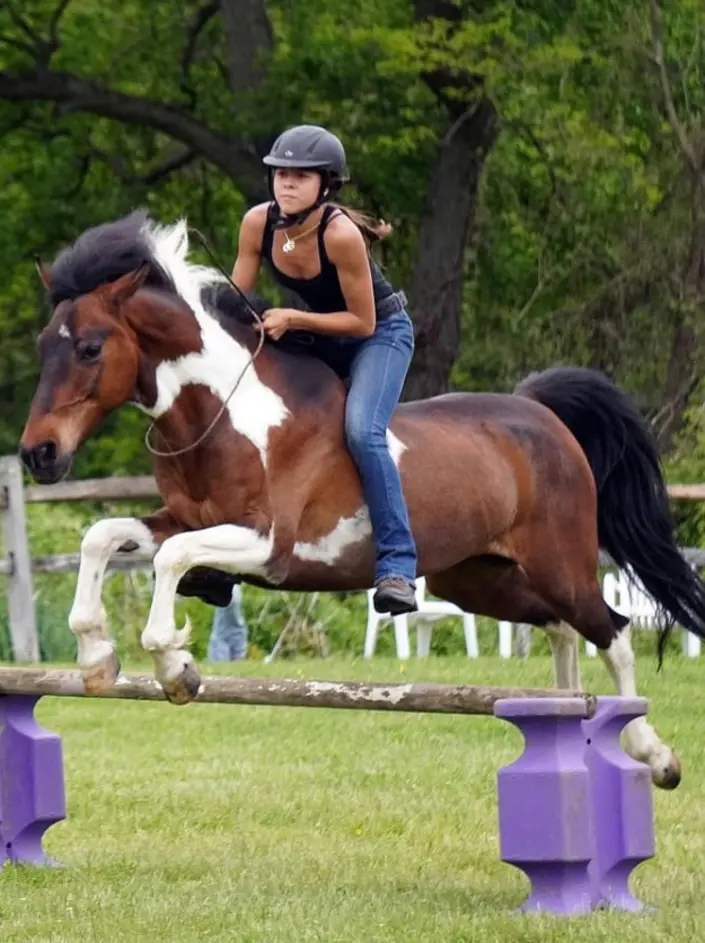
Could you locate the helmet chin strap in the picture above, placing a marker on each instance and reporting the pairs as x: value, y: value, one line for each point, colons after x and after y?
x: 285, y: 221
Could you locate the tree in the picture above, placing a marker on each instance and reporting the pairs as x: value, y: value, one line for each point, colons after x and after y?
x: 224, y: 107
x: 542, y: 161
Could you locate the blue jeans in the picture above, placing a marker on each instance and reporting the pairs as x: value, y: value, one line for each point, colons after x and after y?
x: 377, y: 367
x: 228, y: 638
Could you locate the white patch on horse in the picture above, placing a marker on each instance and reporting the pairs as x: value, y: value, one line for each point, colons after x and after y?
x: 331, y: 547
x: 396, y: 447
x: 349, y: 531
x: 254, y: 409
x: 64, y: 331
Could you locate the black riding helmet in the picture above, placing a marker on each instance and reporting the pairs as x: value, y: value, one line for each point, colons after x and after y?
x: 308, y: 147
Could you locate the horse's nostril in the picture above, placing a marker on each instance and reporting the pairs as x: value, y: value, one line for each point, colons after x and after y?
x: 40, y: 456
x: 46, y: 453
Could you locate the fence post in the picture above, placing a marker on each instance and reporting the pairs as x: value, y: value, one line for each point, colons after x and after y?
x: 20, y: 598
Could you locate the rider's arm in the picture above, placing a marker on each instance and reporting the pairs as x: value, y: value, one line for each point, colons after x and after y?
x: 249, y: 258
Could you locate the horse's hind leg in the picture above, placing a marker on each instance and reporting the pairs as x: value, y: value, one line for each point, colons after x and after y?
x: 643, y: 743
x: 500, y: 588
x: 594, y: 619
x: 566, y: 661
x: 492, y: 586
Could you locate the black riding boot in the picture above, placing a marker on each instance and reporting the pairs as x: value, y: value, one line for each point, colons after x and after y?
x: 395, y: 596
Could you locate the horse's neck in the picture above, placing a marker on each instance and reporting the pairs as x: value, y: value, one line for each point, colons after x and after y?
x: 219, y: 370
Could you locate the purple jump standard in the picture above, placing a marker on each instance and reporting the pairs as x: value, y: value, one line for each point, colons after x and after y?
x: 575, y: 811
x: 31, y: 782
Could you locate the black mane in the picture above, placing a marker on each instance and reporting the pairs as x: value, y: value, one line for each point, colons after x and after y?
x: 103, y: 254
x: 106, y: 252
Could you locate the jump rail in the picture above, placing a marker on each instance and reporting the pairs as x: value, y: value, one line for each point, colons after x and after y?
x: 285, y: 692
x: 575, y: 812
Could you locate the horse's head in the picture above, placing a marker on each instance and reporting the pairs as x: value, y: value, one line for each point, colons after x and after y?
x: 124, y: 298
x: 89, y: 362
x: 126, y: 301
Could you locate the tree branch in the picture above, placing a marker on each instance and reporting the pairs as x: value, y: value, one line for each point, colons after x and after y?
x: 23, y: 26
x: 177, y: 161
x: 126, y: 174
x: 458, y: 90
x: 237, y: 159
x: 671, y: 113
x: 19, y: 44
x: 54, y: 43
x: 200, y: 20
x: 39, y: 48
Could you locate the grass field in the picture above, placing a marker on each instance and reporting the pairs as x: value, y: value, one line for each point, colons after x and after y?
x: 217, y: 823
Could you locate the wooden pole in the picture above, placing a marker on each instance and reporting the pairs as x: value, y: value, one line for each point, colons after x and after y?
x: 20, y: 597
x: 285, y: 692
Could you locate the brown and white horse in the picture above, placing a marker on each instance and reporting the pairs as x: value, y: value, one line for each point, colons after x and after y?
x: 509, y: 496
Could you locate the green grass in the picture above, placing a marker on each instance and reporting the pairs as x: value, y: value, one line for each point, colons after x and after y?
x: 217, y: 823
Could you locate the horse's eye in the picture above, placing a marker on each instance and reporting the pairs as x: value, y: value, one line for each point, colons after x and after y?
x: 88, y: 351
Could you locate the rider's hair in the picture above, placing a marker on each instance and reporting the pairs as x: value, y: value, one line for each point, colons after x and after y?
x: 371, y: 227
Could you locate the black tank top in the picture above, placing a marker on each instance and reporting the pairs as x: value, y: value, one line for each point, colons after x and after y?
x: 321, y: 294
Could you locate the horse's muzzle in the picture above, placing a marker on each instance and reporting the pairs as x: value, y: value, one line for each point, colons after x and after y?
x: 44, y: 463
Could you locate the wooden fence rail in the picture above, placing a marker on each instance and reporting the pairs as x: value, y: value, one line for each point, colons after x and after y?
x: 18, y: 564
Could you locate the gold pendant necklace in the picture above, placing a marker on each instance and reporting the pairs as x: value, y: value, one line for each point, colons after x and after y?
x: 290, y: 244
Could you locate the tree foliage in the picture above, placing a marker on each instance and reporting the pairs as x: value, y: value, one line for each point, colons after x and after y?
x: 542, y: 162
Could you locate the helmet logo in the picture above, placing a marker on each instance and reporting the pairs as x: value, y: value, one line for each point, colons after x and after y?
x: 288, y: 153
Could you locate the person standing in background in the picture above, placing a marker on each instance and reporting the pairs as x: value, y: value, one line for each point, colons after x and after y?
x: 228, y: 638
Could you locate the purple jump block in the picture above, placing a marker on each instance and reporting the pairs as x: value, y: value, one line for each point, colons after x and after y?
x: 31, y: 782
x: 622, y: 803
x: 545, y: 812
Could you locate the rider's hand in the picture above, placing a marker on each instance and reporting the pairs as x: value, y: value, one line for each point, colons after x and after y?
x: 277, y: 321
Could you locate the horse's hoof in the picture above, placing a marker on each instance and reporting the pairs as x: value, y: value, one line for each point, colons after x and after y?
x: 184, y: 688
x: 670, y: 776
x: 102, y: 675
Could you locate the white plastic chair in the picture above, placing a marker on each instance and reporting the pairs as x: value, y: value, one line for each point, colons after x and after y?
x: 634, y: 602
x: 429, y: 611
x: 506, y: 639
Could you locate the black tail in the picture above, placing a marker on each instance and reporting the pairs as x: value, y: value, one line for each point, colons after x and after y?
x: 634, y: 519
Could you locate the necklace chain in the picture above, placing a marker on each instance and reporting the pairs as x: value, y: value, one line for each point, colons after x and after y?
x: 290, y: 244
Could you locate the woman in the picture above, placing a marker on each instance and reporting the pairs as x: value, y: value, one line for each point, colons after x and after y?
x: 317, y: 250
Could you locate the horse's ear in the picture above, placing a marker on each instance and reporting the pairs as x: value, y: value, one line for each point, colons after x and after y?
x: 44, y: 272
x: 123, y: 288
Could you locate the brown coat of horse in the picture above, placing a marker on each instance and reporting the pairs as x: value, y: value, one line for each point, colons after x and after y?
x: 510, y: 496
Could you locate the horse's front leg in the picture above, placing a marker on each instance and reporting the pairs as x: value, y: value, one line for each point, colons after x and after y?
x: 229, y: 547
x: 87, y: 620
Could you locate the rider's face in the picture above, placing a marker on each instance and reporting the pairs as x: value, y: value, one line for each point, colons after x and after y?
x: 296, y: 190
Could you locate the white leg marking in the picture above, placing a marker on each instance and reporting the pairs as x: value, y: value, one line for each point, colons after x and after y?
x: 643, y: 743
x: 228, y: 547
x: 87, y: 618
